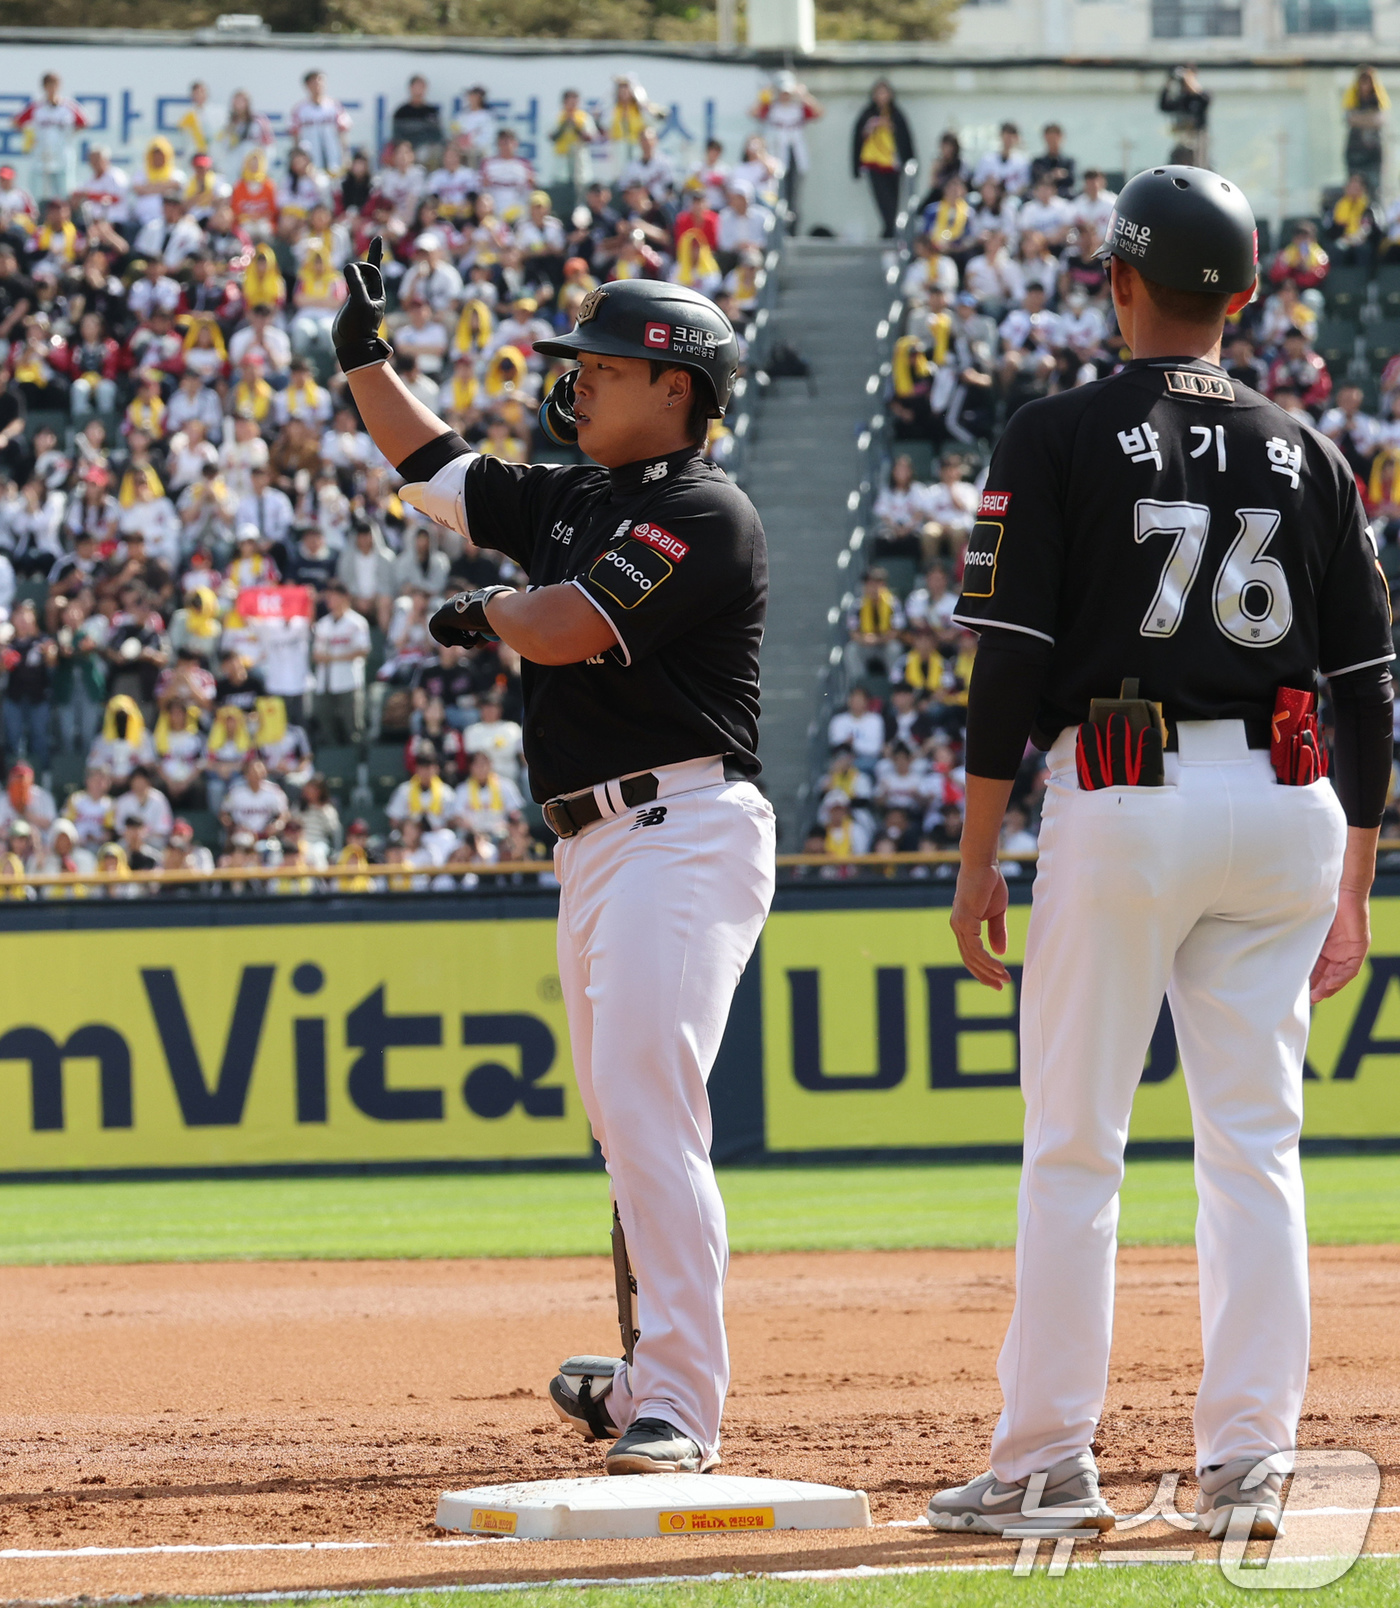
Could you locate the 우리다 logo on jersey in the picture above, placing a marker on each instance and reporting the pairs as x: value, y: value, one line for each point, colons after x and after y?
x: 662, y: 540
x: 657, y: 335
x: 994, y: 502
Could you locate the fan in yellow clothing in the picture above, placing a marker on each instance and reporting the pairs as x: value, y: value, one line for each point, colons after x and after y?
x: 909, y: 364
x: 126, y: 492
x: 146, y: 410
x: 474, y: 328
x: 318, y: 279
x: 263, y: 284
x: 252, y: 396
x: 507, y: 372
x: 195, y: 324
x: 461, y: 391
x: 695, y: 262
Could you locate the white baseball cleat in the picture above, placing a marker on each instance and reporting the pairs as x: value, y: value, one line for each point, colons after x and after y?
x: 1244, y: 1482
x: 1065, y: 1496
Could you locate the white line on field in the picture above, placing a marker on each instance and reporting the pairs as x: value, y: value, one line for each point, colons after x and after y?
x: 859, y: 1572
x: 242, y: 1546
x: 183, y: 1548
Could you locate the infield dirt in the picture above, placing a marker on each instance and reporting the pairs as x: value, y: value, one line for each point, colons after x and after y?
x: 243, y: 1404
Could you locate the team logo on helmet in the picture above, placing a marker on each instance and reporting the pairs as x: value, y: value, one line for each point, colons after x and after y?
x: 590, y: 304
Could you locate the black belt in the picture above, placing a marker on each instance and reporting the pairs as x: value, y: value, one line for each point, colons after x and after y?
x: 1258, y: 734
x: 568, y: 814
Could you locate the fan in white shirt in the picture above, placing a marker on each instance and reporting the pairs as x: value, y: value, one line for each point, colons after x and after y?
x: 146, y: 804
x: 403, y: 182
x: 423, y: 337
x: 1094, y: 207
x: 242, y: 453
x: 153, y: 519
x: 902, y: 507
x: 320, y: 124
x: 476, y: 127
x: 486, y: 798
x: 508, y: 176
x: 858, y: 727
x: 951, y: 501
x: 254, y: 804
x: 992, y: 275
x: 431, y: 277
x: 933, y: 603
x: 903, y: 782
x: 454, y: 183
x: 1047, y: 213
x: 501, y: 739
x: 1010, y: 165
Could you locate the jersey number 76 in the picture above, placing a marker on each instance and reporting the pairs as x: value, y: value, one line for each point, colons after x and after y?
x: 1250, y: 600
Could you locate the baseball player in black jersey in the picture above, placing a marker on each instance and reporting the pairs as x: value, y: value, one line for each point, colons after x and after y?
x: 1164, y: 562
x: 639, y: 636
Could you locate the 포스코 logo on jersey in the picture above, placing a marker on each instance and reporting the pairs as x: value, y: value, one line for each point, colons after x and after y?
x: 994, y: 502
x: 658, y: 335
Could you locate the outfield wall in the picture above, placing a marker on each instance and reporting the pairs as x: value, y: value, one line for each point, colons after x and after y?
x: 410, y: 1030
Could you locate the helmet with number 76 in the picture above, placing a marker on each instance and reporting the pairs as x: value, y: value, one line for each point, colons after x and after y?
x: 1186, y: 228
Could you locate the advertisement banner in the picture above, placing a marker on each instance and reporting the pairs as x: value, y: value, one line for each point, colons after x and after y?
x: 876, y: 1038
x: 342, y: 1041
x: 399, y: 1031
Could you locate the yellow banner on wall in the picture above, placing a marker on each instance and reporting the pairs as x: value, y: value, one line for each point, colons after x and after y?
x: 336, y: 1041
x: 876, y: 1038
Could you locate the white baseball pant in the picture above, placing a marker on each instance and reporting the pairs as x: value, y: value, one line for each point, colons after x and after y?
x: 1219, y: 889
x: 657, y: 920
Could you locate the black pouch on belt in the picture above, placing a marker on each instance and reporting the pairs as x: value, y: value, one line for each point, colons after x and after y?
x: 1122, y: 742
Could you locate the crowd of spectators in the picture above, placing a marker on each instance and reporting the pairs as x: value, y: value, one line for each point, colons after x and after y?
x: 1003, y: 303
x: 207, y: 580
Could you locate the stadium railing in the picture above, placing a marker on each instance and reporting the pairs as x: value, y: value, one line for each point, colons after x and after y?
x: 758, y: 336
x: 874, y: 444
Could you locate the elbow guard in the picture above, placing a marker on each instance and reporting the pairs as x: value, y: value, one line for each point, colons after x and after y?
x: 433, y: 480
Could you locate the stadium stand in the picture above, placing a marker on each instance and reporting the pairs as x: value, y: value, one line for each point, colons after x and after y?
x: 213, y: 605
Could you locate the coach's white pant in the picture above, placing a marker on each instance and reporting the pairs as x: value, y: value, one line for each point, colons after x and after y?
x: 658, y: 915
x: 1219, y: 889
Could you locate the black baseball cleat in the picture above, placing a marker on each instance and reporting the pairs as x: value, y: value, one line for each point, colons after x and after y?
x: 579, y: 1393
x: 652, y: 1446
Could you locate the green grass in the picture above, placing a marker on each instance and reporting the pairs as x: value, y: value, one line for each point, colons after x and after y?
x: 1351, y: 1200
x: 1370, y: 1584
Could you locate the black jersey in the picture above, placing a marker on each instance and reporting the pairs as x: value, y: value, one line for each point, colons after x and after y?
x: 1170, y: 524
x: 673, y: 554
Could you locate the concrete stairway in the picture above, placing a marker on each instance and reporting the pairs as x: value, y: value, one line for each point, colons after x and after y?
x: 805, y: 465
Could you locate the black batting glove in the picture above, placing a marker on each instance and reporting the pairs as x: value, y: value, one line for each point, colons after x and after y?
x: 355, y: 331
x: 461, y: 622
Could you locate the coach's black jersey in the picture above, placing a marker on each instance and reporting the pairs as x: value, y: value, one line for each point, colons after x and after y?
x: 1170, y: 524
x: 673, y: 554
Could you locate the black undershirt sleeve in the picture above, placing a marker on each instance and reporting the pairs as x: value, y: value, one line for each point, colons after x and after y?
x: 1008, y: 676
x: 424, y: 462
x: 1363, y: 743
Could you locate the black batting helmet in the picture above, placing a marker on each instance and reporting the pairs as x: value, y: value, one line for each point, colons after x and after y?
x: 1186, y: 228
x: 649, y: 318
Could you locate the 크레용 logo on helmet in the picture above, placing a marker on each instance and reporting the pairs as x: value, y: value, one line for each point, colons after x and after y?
x: 658, y: 335
x: 590, y: 304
